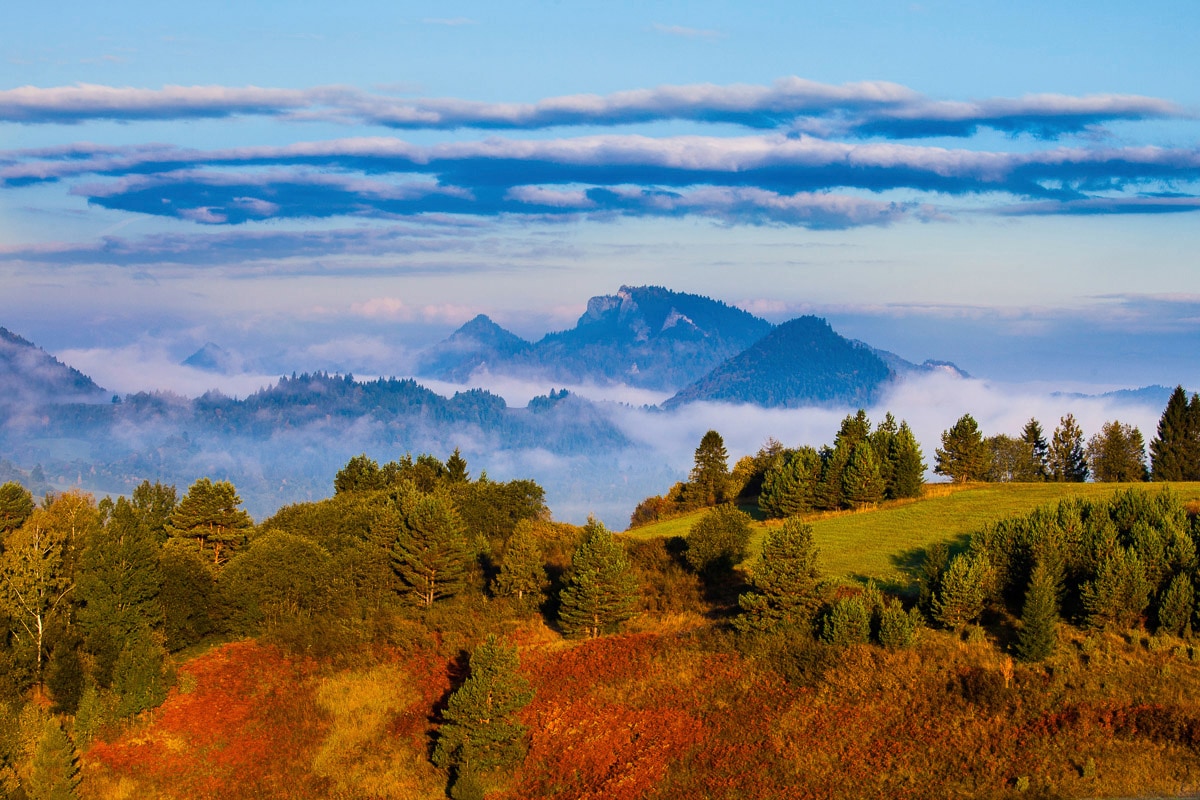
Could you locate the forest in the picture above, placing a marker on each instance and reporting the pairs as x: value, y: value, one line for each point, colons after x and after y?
x: 424, y: 632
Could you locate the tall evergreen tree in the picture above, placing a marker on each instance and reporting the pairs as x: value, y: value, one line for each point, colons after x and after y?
x: 139, y: 677
x: 456, y: 468
x: 908, y: 465
x: 710, y: 474
x: 1067, y: 461
x: 153, y: 503
x: 883, y: 442
x: 186, y: 595
x: 963, y: 455
x: 209, y: 517
x: 361, y: 474
x: 1117, y: 453
x: 963, y: 591
x: 789, y: 486
x: 480, y: 729
x: 1032, y: 435
x: 118, y: 584
x: 522, y: 566
x: 430, y: 553
x: 1039, y: 617
x: 862, y: 481
x: 783, y: 586
x: 54, y: 773
x: 601, y: 589
x: 1175, y: 450
x: 855, y: 428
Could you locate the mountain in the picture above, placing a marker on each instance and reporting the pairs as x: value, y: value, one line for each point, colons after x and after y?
x: 802, y: 362
x: 644, y: 336
x: 480, y: 343
x: 212, y: 358
x: 31, y: 375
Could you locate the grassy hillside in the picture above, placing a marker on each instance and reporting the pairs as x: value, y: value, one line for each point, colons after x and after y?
x: 884, y: 543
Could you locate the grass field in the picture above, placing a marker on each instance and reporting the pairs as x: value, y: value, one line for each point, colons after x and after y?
x: 887, y: 542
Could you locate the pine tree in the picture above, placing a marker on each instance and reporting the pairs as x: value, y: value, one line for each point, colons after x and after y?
x: 16, y: 505
x: 1175, y: 451
x: 963, y: 591
x: 783, y: 586
x: 898, y: 628
x: 480, y: 730
x: 601, y: 589
x: 862, y: 482
x: 209, y: 516
x: 1176, y: 605
x: 963, y: 455
x: 1067, y: 461
x: 430, y: 553
x: 1039, y: 617
x: 883, y: 442
x: 710, y: 474
x: 908, y: 465
x: 1119, y: 594
x: 848, y: 622
x: 854, y: 429
x: 54, y: 774
x: 1032, y: 435
x: 522, y: 567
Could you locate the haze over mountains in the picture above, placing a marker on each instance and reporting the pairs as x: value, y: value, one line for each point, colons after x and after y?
x: 281, y: 443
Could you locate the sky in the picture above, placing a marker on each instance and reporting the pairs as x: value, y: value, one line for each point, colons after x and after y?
x: 1011, y: 186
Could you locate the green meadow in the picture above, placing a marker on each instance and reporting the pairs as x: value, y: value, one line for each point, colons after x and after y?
x: 886, y: 543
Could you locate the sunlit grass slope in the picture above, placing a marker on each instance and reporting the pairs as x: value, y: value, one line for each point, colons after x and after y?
x: 884, y: 543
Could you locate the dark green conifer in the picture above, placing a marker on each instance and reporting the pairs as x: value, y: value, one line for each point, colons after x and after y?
x: 783, y: 586
x: 430, y: 554
x: 600, y: 589
x: 480, y: 729
x: 522, y: 566
x: 1175, y: 450
x: 54, y: 773
x: 963, y: 455
x: 862, y: 481
x: 1176, y: 606
x: 1039, y: 617
x: 908, y: 465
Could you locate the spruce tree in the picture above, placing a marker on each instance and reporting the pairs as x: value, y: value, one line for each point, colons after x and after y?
x: 1067, y: 461
x: 789, y: 486
x: 480, y: 729
x: 456, y: 468
x: 710, y: 474
x: 963, y: 455
x: 783, y: 586
x: 1176, y: 605
x: 1032, y: 435
x: 854, y: 429
x: 139, y: 677
x: 1039, y: 616
x: 118, y: 584
x: 601, y: 589
x: 522, y: 566
x: 862, y: 481
x: 54, y: 773
x: 908, y: 465
x: 1175, y: 450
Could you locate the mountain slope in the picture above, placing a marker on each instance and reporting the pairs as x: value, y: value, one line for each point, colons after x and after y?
x: 802, y: 362
x: 478, y: 343
x: 31, y: 375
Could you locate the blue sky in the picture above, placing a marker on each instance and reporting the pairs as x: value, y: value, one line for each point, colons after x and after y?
x: 1012, y: 186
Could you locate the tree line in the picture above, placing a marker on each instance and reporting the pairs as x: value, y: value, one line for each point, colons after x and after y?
x: 862, y: 467
x: 1116, y: 453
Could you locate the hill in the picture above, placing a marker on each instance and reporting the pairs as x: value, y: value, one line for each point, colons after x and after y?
x: 31, y: 375
x: 800, y: 363
x: 480, y: 343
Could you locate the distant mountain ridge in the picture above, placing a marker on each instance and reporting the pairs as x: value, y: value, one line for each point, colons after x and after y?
x: 31, y: 375
x: 802, y: 362
x: 643, y: 336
